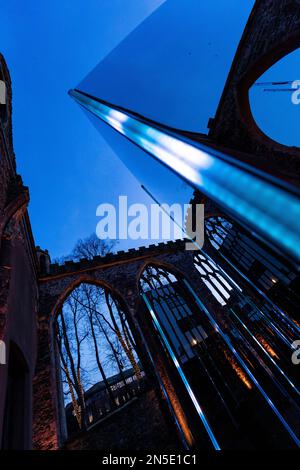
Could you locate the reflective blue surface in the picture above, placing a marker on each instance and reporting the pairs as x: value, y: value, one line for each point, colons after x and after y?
x: 244, y: 366
x: 264, y: 206
x: 182, y: 375
x: 172, y: 68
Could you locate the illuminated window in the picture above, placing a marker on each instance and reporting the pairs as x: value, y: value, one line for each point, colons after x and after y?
x: 238, y: 245
x: 174, y: 309
x: 213, y: 278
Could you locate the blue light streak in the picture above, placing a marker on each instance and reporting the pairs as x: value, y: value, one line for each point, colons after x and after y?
x: 182, y: 375
x: 266, y: 352
x: 291, y: 325
x: 244, y: 365
x: 269, y: 209
x: 283, y: 317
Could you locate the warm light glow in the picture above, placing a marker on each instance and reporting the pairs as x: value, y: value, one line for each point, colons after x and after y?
x: 266, y: 345
x: 297, y: 323
x: 244, y: 365
x: 241, y: 375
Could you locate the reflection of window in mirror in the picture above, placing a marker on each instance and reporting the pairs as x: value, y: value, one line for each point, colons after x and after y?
x: 275, y: 100
x: 2, y: 353
x: 2, y: 92
x: 3, y: 101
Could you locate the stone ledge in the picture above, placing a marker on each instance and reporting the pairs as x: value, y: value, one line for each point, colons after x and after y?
x: 130, y: 254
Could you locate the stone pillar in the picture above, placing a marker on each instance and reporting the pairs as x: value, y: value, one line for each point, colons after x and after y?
x: 45, y: 410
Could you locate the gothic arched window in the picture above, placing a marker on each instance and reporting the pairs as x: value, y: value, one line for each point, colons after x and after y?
x: 213, y: 278
x: 176, y: 314
x: 100, y: 369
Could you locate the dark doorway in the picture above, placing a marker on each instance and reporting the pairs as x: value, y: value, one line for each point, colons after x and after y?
x: 14, y: 429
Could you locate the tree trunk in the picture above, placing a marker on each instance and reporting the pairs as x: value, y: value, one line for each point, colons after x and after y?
x: 127, y: 347
x: 77, y: 385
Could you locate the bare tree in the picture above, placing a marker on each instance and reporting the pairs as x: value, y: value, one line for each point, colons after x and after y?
x: 92, y: 246
x: 84, y: 297
x: 72, y: 367
x: 88, y: 248
x: 122, y: 336
x: 67, y: 377
x: 114, y: 354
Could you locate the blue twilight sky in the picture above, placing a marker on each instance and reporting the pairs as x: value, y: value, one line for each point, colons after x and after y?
x: 173, y: 67
x: 274, y: 111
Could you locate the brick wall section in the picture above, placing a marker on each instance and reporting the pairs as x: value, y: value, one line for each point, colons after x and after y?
x: 45, y: 415
x: 271, y: 33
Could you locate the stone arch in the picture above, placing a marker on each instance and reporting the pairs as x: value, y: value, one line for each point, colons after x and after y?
x: 84, y: 279
x: 54, y: 436
x: 101, y: 283
x: 165, y: 265
x: 188, y: 271
x: 169, y: 382
x: 272, y: 31
x: 120, y: 330
x: 244, y: 111
x: 160, y: 264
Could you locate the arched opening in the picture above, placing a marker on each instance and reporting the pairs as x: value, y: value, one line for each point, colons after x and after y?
x: 100, y: 371
x: 274, y: 100
x: 229, y: 367
x: 15, y: 434
x: 195, y: 353
x: 165, y: 294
